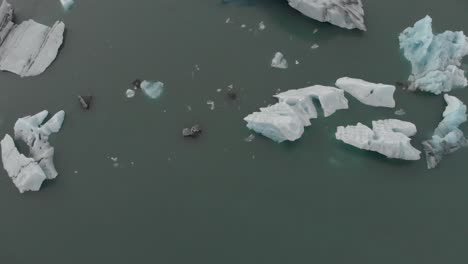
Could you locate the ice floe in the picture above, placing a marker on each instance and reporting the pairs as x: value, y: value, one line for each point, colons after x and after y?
x: 435, y: 59
x: 373, y: 94
x: 447, y: 137
x: 388, y: 137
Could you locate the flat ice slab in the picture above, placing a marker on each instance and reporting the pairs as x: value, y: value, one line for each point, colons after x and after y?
x: 447, y: 137
x: 29, y: 48
x: 286, y: 120
x: 388, y: 137
x: 343, y: 13
x: 373, y: 94
x: 435, y: 59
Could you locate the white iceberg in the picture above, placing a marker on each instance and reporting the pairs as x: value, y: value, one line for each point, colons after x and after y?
x: 435, y: 59
x: 36, y: 136
x: 388, y: 137
x: 29, y: 48
x: 447, y: 137
x: 152, y: 89
x: 373, y: 94
x: 279, y: 61
x: 286, y: 120
x: 25, y: 173
x: 343, y: 13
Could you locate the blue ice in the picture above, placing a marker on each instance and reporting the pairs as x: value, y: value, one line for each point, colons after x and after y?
x: 152, y: 89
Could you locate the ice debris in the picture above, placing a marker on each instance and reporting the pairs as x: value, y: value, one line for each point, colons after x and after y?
x: 286, y: 119
x: 279, y: 61
x: 314, y: 46
x: 211, y: 104
x: 447, y: 137
x: 85, y: 101
x: 194, y: 131
x: 372, y: 94
x: 29, y: 173
x: 400, y: 112
x: 261, y: 26
x: 130, y: 93
x: 388, y: 137
x: 435, y: 59
x: 67, y: 4
x: 152, y: 89
x: 343, y: 13
x: 29, y: 48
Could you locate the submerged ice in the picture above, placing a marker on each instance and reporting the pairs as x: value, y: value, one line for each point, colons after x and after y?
x: 286, y: 119
x: 447, y: 137
x: 388, y: 137
x: 368, y: 93
x: 29, y: 48
x: 435, y: 59
x: 343, y: 13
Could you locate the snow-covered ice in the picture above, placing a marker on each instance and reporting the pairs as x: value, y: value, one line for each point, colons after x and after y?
x: 374, y: 94
x: 447, y: 137
x: 29, y: 48
x: 286, y: 119
x: 279, y: 61
x: 435, y: 59
x: 388, y: 137
x: 343, y: 13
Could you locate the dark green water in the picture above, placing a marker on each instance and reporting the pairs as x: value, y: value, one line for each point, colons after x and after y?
x: 219, y: 199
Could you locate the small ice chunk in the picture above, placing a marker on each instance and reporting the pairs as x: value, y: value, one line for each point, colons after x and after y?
x: 388, y: 137
x: 85, y: 101
x: 27, y: 49
x: 35, y: 134
x: 261, y: 26
x: 250, y: 138
x: 152, y: 89
x: 194, y: 131
x: 297, y: 62
x: 315, y: 31
x: 130, y: 93
x: 315, y: 46
x: 228, y: 20
x: 400, y: 112
x: 279, y: 61
x: 67, y: 4
x: 368, y: 93
x: 211, y: 104
x: 343, y: 13
x: 243, y: 26
x: 447, y: 137
x: 25, y: 173
x: 435, y: 59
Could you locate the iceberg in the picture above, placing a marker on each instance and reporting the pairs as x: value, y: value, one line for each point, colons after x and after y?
x: 343, y: 13
x: 388, y: 137
x: 447, y: 137
x: 25, y: 173
x: 279, y: 61
x: 29, y: 48
x: 286, y: 119
x: 36, y: 135
x: 435, y: 59
x: 373, y: 94
x: 152, y: 89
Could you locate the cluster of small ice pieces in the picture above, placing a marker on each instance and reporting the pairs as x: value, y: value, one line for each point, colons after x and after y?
x: 29, y: 48
x: 286, y: 119
x: 343, y: 13
x: 368, y: 93
x: 435, y: 59
x: 388, y: 137
x: 150, y: 88
x: 29, y: 173
x: 447, y: 137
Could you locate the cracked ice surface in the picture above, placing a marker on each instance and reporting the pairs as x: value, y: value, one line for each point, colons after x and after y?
x: 447, y: 137
x: 343, y: 13
x: 36, y: 136
x: 388, y: 137
x: 29, y: 48
x: 286, y: 119
x: 373, y: 94
x: 435, y: 59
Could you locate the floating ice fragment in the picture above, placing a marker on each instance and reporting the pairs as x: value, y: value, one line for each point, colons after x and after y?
x: 368, y: 93
x: 211, y: 104
x: 279, y: 61
x: 228, y: 20
x: 447, y: 137
x: 250, y: 138
x: 435, y: 59
x: 388, y: 137
x: 400, y: 112
x: 85, y: 101
x: 261, y: 25
x: 315, y: 46
x: 152, y: 89
x: 315, y: 31
x: 343, y: 13
x: 243, y: 26
x: 67, y: 4
x: 130, y: 93
x: 286, y: 120
x: 29, y: 48
x: 297, y: 62
x: 194, y: 131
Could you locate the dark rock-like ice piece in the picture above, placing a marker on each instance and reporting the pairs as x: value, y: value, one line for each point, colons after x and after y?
x: 194, y: 131
x: 27, y: 49
x: 85, y: 101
